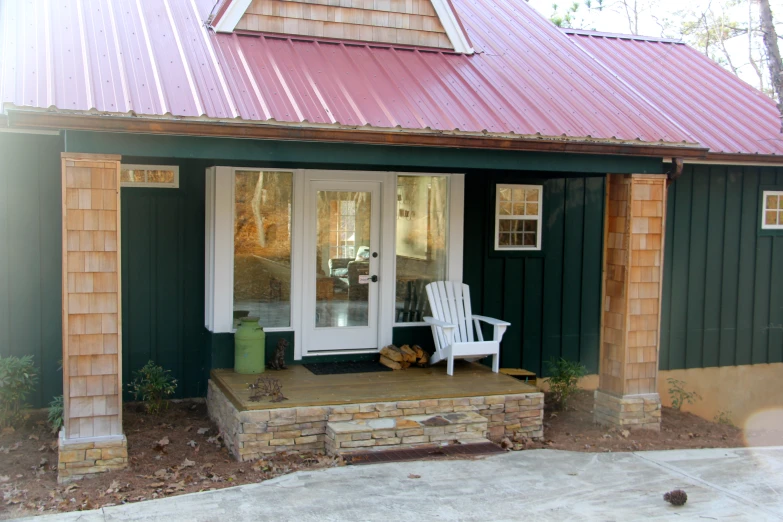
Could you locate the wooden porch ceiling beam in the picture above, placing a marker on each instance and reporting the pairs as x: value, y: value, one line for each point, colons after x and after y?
x: 43, y: 120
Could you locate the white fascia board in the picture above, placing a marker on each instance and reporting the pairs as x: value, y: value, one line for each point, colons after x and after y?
x: 448, y: 18
x: 231, y: 16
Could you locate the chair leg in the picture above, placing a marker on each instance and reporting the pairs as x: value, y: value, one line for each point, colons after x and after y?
x: 496, y: 363
x: 450, y: 365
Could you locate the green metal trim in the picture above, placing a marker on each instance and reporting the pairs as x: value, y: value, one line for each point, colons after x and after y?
x: 233, y: 152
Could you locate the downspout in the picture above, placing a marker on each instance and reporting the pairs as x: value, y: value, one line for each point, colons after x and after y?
x: 675, y: 171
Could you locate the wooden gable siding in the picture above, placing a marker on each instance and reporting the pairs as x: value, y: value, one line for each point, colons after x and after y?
x: 723, y: 281
x: 406, y: 22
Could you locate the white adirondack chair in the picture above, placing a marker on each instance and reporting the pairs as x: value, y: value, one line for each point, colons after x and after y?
x: 452, y: 328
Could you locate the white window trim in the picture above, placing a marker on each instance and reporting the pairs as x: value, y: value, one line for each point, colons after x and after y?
x: 764, y: 209
x: 219, y: 255
x: 137, y: 184
x: 454, y: 247
x: 539, y: 219
x: 219, y: 272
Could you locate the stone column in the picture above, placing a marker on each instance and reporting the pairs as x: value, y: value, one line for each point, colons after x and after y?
x: 91, y: 440
x: 630, y: 316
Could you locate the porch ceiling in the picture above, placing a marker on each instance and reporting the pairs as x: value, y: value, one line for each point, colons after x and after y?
x: 303, y: 388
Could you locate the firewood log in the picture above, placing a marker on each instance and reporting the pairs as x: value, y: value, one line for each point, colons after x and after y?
x: 393, y: 353
x: 408, y: 354
x: 394, y: 365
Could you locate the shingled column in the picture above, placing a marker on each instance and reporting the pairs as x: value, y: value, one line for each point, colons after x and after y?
x: 91, y: 440
x: 630, y: 316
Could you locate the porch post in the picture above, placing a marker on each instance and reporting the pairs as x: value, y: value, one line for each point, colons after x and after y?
x: 91, y: 440
x: 631, y: 302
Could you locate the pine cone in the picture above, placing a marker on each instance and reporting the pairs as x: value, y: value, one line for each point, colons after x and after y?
x: 676, y: 497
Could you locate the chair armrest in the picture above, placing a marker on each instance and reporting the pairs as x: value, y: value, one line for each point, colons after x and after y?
x: 489, y: 320
x: 438, y: 322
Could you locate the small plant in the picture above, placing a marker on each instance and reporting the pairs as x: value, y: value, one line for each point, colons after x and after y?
x: 152, y: 384
x: 564, y: 379
x: 679, y: 395
x: 56, y: 409
x: 18, y: 377
x: 723, y: 417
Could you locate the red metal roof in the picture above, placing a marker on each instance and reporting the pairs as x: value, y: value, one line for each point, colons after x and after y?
x: 720, y: 110
x: 159, y: 60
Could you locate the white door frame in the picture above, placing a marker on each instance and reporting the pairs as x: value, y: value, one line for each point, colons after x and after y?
x: 311, y: 180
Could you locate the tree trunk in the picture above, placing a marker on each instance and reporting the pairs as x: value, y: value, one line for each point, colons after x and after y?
x: 773, y: 52
x: 257, y: 217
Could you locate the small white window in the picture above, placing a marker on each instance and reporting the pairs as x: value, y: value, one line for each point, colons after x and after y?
x: 157, y: 176
x: 518, y: 217
x: 772, y: 215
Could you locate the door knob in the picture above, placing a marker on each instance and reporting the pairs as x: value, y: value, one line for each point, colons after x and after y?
x: 375, y: 254
x: 374, y: 279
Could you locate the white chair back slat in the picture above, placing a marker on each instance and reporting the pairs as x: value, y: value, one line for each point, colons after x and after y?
x: 451, y: 305
x: 460, y: 310
x: 444, y: 302
x: 468, y: 312
x: 434, y: 296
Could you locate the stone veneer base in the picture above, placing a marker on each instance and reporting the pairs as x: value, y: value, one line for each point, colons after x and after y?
x: 253, y: 433
x: 629, y: 411
x: 80, y: 458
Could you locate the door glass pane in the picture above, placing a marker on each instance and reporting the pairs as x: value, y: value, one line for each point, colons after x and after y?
x: 342, y: 258
x: 421, y: 242
x: 262, y: 246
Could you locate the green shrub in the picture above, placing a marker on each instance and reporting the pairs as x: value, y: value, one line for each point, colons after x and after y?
x: 152, y: 384
x: 723, y: 417
x: 56, y: 408
x: 18, y: 377
x: 563, y: 380
x: 679, y: 395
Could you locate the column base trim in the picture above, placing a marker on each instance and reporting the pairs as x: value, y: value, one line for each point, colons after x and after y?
x: 79, y: 458
x: 631, y: 412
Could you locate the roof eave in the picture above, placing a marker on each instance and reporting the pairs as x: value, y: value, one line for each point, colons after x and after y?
x: 355, y: 135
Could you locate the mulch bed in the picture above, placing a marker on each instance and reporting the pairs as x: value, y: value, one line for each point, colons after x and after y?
x: 193, y: 459
x: 180, y: 452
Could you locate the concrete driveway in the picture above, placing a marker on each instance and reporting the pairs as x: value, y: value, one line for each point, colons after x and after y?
x: 722, y: 484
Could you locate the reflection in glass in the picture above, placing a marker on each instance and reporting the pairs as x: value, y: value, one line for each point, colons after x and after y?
x: 421, y: 242
x: 342, y: 258
x: 262, y: 246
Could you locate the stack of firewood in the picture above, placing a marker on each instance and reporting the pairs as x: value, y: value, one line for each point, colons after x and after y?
x: 403, y: 357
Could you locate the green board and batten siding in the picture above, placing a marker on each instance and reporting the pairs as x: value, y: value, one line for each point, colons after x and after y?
x: 723, y: 280
x: 551, y: 298
x: 30, y: 253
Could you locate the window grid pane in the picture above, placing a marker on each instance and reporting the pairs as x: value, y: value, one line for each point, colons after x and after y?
x: 518, y: 215
x: 772, y: 215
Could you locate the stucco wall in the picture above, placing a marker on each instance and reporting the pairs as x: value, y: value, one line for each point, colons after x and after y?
x: 748, y: 394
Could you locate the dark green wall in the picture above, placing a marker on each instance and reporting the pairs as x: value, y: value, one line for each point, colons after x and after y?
x: 30, y: 253
x: 552, y: 298
x: 163, y: 279
x: 723, y: 281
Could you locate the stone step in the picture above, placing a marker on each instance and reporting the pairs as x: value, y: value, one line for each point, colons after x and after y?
x: 395, y: 432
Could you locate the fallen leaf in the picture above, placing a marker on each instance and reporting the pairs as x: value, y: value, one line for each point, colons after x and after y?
x: 412, y: 476
x: 187, y: 463
x: 192, y: 443
x: 4, y: 478
x: 33, y: 437
x: 188, y: 429
x: 505, y: 443
x: 202, y: 431
x: 625, y: 434
x: 161, y: 444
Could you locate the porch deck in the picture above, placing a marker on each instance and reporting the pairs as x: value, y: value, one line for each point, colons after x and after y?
x: 303, y: 388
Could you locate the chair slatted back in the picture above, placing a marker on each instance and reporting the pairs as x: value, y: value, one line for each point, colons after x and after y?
x: 450, y: 302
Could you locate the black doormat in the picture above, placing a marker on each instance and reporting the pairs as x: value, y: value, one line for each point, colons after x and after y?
x: 425, y: 452
x: 335, y: 368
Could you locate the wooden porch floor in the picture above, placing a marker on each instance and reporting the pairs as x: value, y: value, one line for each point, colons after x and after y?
x: 303, y: 388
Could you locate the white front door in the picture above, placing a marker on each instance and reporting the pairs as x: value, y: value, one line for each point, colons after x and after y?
x: 341, y: 265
